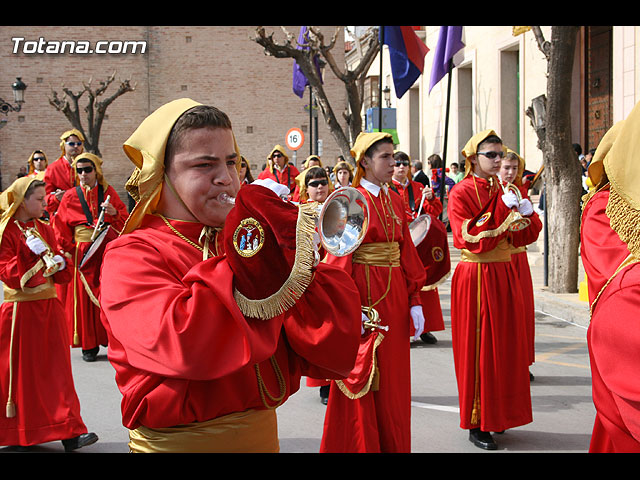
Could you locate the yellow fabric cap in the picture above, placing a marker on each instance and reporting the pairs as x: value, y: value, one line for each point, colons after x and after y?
x: 30, y: 161
x: 146, y: 148
x: 361, y: 145
x: 11, y: 199
x: 471, y: 148
x: 97, y: 162
x: 305, y: 165
x: 67, y: 134
x: 518, y: 179
x: 596, y: 167
x: 622, y: 169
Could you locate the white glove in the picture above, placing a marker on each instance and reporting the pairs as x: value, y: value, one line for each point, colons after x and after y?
x: 364, y: 319
x: 418, y: 320
x: 525, y: 208
x: 277, y: 188
x: 316, y: 248
x: 60, y: 259
x: 510, y: 200
x: 36, y: 245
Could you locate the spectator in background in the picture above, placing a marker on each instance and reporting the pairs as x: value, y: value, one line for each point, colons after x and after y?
x: 418, y: 174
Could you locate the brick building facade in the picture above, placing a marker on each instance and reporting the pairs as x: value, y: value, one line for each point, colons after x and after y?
x: 218, y: 65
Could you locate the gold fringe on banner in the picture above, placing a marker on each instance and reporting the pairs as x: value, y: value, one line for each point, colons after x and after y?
x: 299, y: 278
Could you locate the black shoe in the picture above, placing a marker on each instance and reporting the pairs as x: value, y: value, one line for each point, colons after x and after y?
x: 90, y: 355
x: 482, y: 439
x: 324, y: 394
x: 531, y: 377
x: 427, y: 337
x: 80, y: 441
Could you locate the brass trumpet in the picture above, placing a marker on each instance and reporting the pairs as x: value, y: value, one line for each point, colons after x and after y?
x: 374, y: 319
x: 51, y: 266
x: 520, y: 222
x: 342, y: 221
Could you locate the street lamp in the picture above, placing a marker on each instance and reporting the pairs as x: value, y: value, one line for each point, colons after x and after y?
x: 18, y: 96
x: 387, y: 95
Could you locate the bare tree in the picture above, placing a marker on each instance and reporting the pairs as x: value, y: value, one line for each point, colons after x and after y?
x: 562, y: 173
x: 95, y: 109
x: 352, y: 79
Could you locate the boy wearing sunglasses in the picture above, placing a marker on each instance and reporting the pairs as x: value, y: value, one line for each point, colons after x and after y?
x: 489, y: 344
x: 74, y: 224
x: 59, y: 176
x: 279, y: 169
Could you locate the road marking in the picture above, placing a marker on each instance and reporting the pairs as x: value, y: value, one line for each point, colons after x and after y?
x: 431, y: 406
x: 544, y: 357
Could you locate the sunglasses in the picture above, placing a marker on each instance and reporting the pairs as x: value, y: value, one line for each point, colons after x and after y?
x: 277, y: 155
x: 317, y: 183
x: 402, y: 163
x: 84, y: 169
x: 492, y: 155
x: 74, y: 144
x: 36, y: 159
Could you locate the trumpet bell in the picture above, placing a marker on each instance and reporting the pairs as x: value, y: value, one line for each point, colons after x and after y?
x: 419, y: 228
x: 343, y: 221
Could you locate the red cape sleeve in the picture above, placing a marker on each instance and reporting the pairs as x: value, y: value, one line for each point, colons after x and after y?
x: 179, y: 326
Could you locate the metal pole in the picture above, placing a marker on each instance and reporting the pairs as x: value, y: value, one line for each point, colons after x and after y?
x: 310, y: 121
x: 443, y: 185
x: 380, y: 81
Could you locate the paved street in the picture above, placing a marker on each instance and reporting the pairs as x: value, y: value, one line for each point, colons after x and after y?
x: 563, y: 411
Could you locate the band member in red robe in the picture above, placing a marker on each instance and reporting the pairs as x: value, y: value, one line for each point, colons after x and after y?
x: 610, y: 222
x: 279, y: 169
x: 370, y: 411
x: 36, y: 379
x: 489, y: 348
x: 511, y: 170
x: 37, y: 164
x: 75, y: 223
x: 59, y: 176
x: 205, y: 346
x: 434, y: 253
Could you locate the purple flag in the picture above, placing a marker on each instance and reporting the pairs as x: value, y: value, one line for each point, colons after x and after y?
x: 299, y: 79
x: 449, y: 43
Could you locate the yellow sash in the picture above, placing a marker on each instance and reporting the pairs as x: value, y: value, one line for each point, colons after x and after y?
x: 82, y: 233
x: 251, y: 431
x: 502, y: 253
x: 378, y: 254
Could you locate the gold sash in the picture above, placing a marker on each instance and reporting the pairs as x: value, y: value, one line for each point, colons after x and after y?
x: 502, y: 253
x: 41, y: 292
x: 82, y: 233
x: 251, y: 431
x: 378, y: 254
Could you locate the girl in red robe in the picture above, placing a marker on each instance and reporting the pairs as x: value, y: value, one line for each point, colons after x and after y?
x: 36, y: 378
x: 490, y: 353
x: 434, y: 251
x: 611, y: 258
x: 371, y: 410
x: 74, y: 228
x: 511, y: 170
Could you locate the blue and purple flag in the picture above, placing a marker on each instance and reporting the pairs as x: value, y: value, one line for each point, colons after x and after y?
x: 299, y: 79
x: 406, y: 53
x: 449, y: 43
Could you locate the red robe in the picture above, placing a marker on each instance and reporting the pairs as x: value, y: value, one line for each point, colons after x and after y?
x: 520, y: 261
x: 499, y: 369
x: 286, y: 177
x: 58, y: 175
x: 380, y: 420
x: 82, y: 312
x: 430, y: 299
x: 614, y: 341
x: 46, y: 404
x: 602, y: 252
x: 182, y: 350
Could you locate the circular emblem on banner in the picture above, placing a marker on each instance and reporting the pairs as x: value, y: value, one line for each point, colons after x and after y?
x: 483, y: 219
x: 437, y: 253
x: 248, y: 237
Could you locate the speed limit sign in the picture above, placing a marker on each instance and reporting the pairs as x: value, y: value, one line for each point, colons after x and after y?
x: 294, y: 139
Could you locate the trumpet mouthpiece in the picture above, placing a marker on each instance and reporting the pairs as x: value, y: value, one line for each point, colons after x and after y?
x: 226, y: 198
